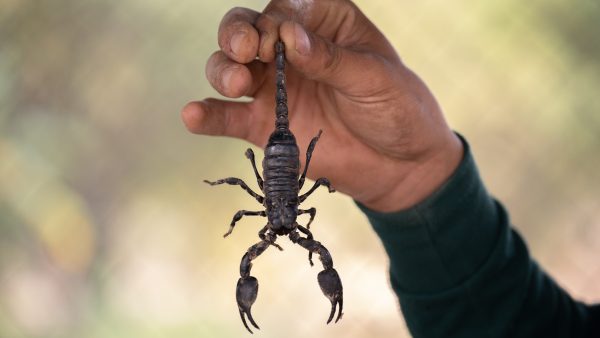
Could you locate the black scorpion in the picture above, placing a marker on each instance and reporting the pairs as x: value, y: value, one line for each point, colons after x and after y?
x: 281, y: 186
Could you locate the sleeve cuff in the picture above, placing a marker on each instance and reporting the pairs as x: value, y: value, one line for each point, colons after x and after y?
x: 442, y: 241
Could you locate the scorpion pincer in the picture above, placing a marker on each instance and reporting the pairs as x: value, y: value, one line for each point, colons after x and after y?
x: 281, y: 188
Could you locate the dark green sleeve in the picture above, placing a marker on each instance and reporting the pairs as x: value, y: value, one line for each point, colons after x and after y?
x: 460, y: 270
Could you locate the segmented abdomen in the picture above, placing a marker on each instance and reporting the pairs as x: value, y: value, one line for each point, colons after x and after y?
x: 281, y: 165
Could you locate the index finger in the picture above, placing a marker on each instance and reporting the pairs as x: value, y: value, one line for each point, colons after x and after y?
x: 238, y: 38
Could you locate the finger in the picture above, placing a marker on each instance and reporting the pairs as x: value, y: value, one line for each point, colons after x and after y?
x: 237, y: 36
x: 268, y: 28
x: 325, y: 16
x: 229, y: 78
x: 217, y: 117
x: 232, y: 79
x: 323, y: 61
x: 278, y: 11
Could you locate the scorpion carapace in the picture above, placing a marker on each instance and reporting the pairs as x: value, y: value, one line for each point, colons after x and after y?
x: 281, y: 187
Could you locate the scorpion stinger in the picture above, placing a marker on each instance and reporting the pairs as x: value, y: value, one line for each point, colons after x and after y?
x: 281, y: 188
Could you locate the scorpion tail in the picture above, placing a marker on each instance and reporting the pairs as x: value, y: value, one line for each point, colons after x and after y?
x: 281, y: 108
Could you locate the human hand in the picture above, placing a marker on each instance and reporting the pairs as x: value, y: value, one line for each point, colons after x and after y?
x: 385, y: 141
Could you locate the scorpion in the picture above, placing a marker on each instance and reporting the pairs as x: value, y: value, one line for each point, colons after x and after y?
x: 281, y: 187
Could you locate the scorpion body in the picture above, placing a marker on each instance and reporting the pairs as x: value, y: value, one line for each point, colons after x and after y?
x: 281, y: 188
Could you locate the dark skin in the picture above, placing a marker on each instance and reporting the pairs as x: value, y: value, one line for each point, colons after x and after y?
x: 385, y: 142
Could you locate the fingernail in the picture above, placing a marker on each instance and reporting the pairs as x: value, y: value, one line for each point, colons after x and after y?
x: 236, y: 41
x: 302, y: 40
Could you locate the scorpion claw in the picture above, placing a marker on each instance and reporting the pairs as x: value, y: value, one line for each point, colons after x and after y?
x: 251, y: 321
x: 246, y: 292
x: 244, y: 321
x: 331, y: 285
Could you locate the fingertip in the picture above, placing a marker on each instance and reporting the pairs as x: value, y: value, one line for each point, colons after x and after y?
x: 229, y: 78
x: 217, y: 118
x: 268, y: 35
x: 286, y: 34
x: 298, y: 42
x: 191, y: 115
x: 236, y: 81
x: 266, y: 51
x: 243, y: 45
x: 206, y: 117
x: 237, y: 37
x: 301, y: 40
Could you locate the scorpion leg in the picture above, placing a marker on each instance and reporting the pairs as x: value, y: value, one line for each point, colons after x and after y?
x: 250, y: 156
x: 329, y: 280
x: 238, y: 215
x: 312, y: 212
x: 247, y: 286
x: 309, y: 236
x: 320, y: 182
x: 237, y: 181
x: 309, y: 151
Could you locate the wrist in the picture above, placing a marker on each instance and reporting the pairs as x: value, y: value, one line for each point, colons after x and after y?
x: 422, y: 178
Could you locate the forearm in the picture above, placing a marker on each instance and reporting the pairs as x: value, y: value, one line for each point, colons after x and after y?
x: 460, y: 270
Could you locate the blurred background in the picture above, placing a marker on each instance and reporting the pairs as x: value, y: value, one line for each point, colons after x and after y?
x: 106, y: 229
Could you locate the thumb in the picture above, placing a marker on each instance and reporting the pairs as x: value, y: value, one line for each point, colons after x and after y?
x: 318, y: 59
